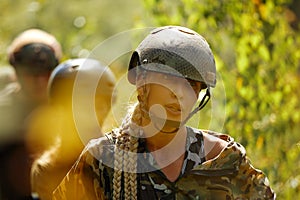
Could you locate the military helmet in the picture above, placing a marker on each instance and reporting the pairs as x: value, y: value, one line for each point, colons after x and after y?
x: 34, y: 50
x: 63, y: 74
x: 62, y: 78
x: 175, y: 50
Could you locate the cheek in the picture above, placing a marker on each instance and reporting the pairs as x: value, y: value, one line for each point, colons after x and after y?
x: 151, y: 99
x: 192, y: 93
x: 190, y: 98
x: 151, y: 93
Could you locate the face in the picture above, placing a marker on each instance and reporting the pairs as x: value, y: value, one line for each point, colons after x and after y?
x: 171, y: 97
x: 34, y: 86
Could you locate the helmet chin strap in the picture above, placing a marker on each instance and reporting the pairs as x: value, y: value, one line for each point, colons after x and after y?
x: 160, y: 122
x: 201, y: 105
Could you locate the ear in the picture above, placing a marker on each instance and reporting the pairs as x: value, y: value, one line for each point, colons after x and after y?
x: 134, y: 62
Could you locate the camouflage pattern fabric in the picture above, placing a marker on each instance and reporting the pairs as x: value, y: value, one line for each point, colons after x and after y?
x: 229, y: 176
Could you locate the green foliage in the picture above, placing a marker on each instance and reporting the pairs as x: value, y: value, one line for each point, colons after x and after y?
x: 79, y: 25
x: 257, y: 55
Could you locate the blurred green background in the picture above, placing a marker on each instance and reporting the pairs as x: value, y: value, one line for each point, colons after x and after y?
x: 257, y: 49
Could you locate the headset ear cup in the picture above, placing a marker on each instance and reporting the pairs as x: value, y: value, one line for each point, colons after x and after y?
x: 134, y: 62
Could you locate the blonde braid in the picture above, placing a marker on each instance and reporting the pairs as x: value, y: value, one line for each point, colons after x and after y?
x: 127, y: 148
x: 135, y: 131
x: 118, y: 165
x: 126, y: 158
x: 126, y: 161
x: 131, y: 164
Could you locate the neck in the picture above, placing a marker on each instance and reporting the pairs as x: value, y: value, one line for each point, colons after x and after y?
x: 166, y: 137
x: 167, y: 148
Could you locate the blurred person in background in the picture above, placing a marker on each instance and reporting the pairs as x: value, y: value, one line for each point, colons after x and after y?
x: 54, y: 136
x: 33, y: 54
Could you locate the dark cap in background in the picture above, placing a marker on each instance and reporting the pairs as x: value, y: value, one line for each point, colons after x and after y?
x: 35, y: 51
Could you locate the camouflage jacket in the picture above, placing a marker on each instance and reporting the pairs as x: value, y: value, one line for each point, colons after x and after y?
x: 228, y: 176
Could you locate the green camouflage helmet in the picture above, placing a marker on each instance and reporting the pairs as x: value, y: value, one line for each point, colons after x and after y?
x: 177, y: 51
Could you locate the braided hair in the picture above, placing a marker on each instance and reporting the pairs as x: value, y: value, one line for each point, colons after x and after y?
x: 126, y: 147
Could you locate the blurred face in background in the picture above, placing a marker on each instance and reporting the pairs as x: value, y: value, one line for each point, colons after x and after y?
x: 34, y: 85
x: 33, y: 64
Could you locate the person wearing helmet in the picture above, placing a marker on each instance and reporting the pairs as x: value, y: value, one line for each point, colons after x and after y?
x: 62, y: 140
x: 33, y: 54
x: 154, y: 154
